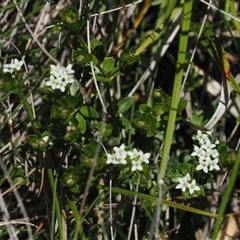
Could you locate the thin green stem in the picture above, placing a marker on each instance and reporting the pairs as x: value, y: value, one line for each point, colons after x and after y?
x: 55, y: 199
x: 53, y: 211
x: 226, y: 196
x: 234, y: 13
x: 185, y: 26
x: 77, y: 218
x: 35, y: 123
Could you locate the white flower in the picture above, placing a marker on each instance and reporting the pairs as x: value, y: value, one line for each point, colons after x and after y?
x: 203, y: 165
x: 45, y: 138
x: 209, y: 132
x: 69, y: 79
x: 144, y: 157
x: 120, y: 154
x: 206, y: 155
x: 136, y: 165
x: 197, y: 151
x: 56, y: 71
x: 69, y: 70
x: 214, y: 153
x: 121, y: 159
x: 201, y: 137
x: 208, y: 145
x: 183, y: 182
x: 193, y: 187
x: 213, y: 165
x: 111, y: 159
x: 138, y: 157
x: 15, y: 64
x: 134, y: 154
x: 7, y: 68
x: 60, y: 77
x: 53, y: 82
x: 120, y: 150
x: 61, y: 86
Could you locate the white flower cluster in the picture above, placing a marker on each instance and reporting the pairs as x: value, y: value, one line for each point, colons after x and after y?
x: 60, y: 77
x: 15, y: 64
x: 120, y: 155
x: 186, y: 183
x: 207, y: 154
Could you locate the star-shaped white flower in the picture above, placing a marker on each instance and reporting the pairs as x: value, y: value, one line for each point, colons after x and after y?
x: 134, y: 154
x: 7, y: 68
x: 214, y: 153
x: 203, y: 165
x: 208, y: 145
x: 201, y: 137
x: 136, y: 165
x: 69, y: 70
x: 111, y: 159
x: 121, y: 159
x: 183, y: 182
x: 61, y: 85
x: 197, y: 151
x: 16, y: 64
x: 144, y: 157
x: 120, y: 150
x: 206, y: 155
x: 193, y: 187
x: 53, y: 82
x: 60, y: 77
x: 213, y: 165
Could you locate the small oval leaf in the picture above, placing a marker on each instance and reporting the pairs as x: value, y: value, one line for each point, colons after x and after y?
x: 125, y: 104
x: 74, y: 88
x: 81, y: 123
x: 108, y: 64
x: 88, y: 112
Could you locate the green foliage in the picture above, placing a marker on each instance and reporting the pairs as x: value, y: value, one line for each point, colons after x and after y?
x: 88, y: 112
x: 70, y: 179
x: 116, y: 91
x: 70, y: 20
x: 81, y: 56
x: 125, y: 104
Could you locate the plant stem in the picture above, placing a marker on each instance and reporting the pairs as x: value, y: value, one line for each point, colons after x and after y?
x: 55, y: 200
x: 77, y: 218
x: 226, y: 195
x: 185, y: 26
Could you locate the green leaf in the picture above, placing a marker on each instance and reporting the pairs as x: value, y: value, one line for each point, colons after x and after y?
x: 94, y: 60
x: 125, y: 104
x: 184, y: 168
x: 81, y: 123
x: 94, y: 43
x: 88, y: 112
x: 235, y: 86
x: 104, y: 129
x: 238, y: 119
x: 102, y: 78
x: 81, y: 56
x: 144, y: 108
x: 182, y: 105
x: 126, y: 123
x: 108, y: 64
x: 74, y: 88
